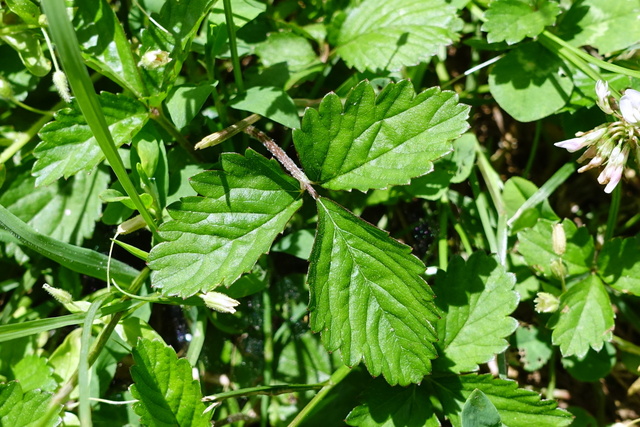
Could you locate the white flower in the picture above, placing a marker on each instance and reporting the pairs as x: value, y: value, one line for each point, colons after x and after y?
x: 581, y: 141
x: 630, y: 106
x: 546, y: 303
x: 603, y: 93
x: 612, y: 173
x: 154, y: 59
x: 219, y: 302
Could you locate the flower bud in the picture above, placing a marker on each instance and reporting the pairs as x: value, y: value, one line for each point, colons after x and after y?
x: 60, y: 295
x: 630, y: 106
x: 131, y: 225
x: 219, y: 302
x: 558, y: 239
x: 546, y: 303
x: 603, y: 93
x: 62, y: 85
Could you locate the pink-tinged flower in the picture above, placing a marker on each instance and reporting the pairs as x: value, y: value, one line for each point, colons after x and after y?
x: 581, y: 141
x: 603, y: 93
x: 612, y: 173
x: 630, y: 106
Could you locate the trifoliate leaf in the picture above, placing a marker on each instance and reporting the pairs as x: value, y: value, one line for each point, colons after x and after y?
x: 619, y: 264
x: 368, y: 298
x: 66, y: 210
x: 68, y: 145
x: 477, y: 297
x: 379, y: 35
x: 513, y: 20
x: 24, y: 409
x: 478, y: 411
x: 378, y: 141
x: 386, y: 406
x: 584, y: 319
x: 104, y: 45
x: 517, y: 407
x: 606, y: 25
x: 536, y: 245
x: 164, y: 386
x: 213, y: 239
x: 530, y: 82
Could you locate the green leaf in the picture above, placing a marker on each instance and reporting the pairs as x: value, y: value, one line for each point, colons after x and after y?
x: 68, y: 145
x: 452, y: 168
x: 513, y: 20
x: 478, y: 411
x: 185, y: 101
x: 25, y: 9
x: 24, y: 409
x: 66, y: 211
x: 516, y: 192
x: 379, y: 35
x: 606, y: 25
x: 619, y: 264
x: 27, y: 44
x: 243, y: 12
x: 476, y: 298
x: 298, y: 244
x: 530, y: 83
x: 584, y: 318
x: 368, y: 298
x: 164, y: 387
x: 104, y: 45
x: 33, y: 372
x: 534, y: 347
x: 78, y: 259
x: 593, y: 366
x: 536, y: 245
x: 213, y: 239
x: 378, y: 141
x: 394, y: 406
x: 517, y: 407
x: 270, y: 102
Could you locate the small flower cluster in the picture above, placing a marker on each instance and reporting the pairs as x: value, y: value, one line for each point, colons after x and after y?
x: 610, y: 144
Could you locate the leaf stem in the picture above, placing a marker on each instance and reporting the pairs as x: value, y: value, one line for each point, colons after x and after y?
x: 271, y: 390
x: 68, y: 48
x: 267, y: 330
x: 161, y: 119
x: 443, y: 253
x: 226, y: 133
x: 283, y: 158
x: 335, y: 379
x: 233, y: 45
x: 612, y: 218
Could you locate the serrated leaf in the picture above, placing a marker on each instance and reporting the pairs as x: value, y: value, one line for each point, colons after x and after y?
x: 368, y: 298
x: 584, y: 319
x: 24, y: 409
x: 379, y: 35
x: 164, y: 387
x: 270, y: 102
x: 517, y: 407
x: 66, y: 210
x: 394, y: 406
x: 606, y: 25
x: 513, y: 20
x: 619, y: 264
x: 530, y: 72
x: 213, y: 239
x: 536, y: 245
x: 68, y: 145
x: 534, y: 347
x: 104, y: 45
x: 478, y: 411
x: 476, y: 298
x: 378, y: 141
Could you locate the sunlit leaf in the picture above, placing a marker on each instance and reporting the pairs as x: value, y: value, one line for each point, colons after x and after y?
x: 584, y: 319
x: 619, y: 264
x: 213, y: 239
x: 379, y: 35
x: 164, y: 386
x: 476, y: 298
x: 24, y: 409
x: 513, y: 20
x: 378, y: 141
x: 68, y: 145
x: 368, y: 299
